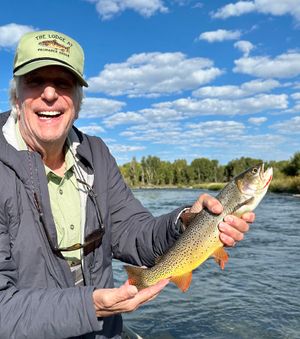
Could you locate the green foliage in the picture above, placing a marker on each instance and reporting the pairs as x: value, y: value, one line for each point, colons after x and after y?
x: 205, y: 170
x: 180, y: 172
x: 293, y: 167
x: 278, y: 168
x: 286, y: 185
x: 234, y: 167
x: 206, y: 173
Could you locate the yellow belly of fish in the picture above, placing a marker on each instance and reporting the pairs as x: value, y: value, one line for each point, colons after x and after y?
x: 180, y: 271
x: 178, y: 264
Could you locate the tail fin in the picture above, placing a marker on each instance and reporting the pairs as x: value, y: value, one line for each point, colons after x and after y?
x: 135, y: 275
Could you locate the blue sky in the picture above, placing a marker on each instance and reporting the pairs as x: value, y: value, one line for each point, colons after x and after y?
x: 177, y: 79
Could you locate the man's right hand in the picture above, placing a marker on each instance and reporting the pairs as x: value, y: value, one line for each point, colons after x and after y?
x: 126, y: 298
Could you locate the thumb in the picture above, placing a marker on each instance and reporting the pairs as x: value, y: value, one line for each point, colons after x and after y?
x: 109, y: 297
x: 126, y: 291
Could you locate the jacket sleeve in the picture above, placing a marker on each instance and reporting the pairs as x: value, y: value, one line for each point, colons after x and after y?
x: 36, y: 312
x: 41, y: 313
x: 137, y: 236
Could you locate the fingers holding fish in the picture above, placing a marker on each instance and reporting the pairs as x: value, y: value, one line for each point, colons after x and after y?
x: 249, y: 217
x: 238, y: 223
x: 206, y: 200
x: 124, y: 299
x: 153, y: 291
x: 145, y: 295
x: 111, y: 301
x: 233, y: 229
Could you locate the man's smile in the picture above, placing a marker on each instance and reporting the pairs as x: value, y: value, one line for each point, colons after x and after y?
x: 49, y: 114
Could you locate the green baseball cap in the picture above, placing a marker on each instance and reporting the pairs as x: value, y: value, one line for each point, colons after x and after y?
x: 44, y: 48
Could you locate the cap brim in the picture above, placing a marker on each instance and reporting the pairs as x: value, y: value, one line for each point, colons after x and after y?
x: 43, y: 63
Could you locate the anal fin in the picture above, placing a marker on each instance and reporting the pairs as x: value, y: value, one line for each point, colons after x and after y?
x: 221, y: 257
x: 182, y: 281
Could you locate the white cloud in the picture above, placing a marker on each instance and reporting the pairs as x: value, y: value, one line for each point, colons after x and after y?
x: 288, y: 127
x: 92, y: 129
x: 245, y: 46
x: 110, y: 8
x: 160, y: 115
x: 168, y: 132
x: 154, y: 74
x: 213, y: 128
x: 244, y: 90
x: 295, y: 109
x: 171, y: 137
x: 237, y: 9
x: 286, y: 65
x: 256, y: 104
x: 153, y: 125
x: 123, y: 118
x: 165, y: 115
x: 198, y: 5
x: 99, y: 107
x: 219, y: 35
x: 257, y: 121
x: 118, y: 148
x: 296, y: 96
x: 273, y: 7
x: 297, y: 85
x: 231, y: 134
x: 10, y: 34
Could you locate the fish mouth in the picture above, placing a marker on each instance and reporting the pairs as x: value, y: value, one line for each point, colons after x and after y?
x: 265, y: 175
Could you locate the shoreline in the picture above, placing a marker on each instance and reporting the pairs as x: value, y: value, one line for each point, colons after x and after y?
x: 281, y: 187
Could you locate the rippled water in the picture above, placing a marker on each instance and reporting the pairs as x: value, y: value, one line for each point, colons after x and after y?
x: 256, y: 296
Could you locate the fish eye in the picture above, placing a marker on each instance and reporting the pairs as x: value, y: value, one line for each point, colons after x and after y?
x: 255, y: 170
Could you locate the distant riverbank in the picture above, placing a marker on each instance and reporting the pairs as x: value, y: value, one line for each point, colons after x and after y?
x: 289, y: 185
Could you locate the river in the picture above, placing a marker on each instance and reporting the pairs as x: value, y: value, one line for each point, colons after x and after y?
x: 256, y: 296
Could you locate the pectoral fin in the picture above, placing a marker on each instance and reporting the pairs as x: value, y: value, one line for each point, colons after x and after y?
x: 183, y: 281
x: 221, y: 257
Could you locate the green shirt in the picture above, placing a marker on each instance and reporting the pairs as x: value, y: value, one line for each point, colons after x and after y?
x: 65, y: 202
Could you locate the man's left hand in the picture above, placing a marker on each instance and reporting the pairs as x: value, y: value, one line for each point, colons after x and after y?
x: 232, y: 228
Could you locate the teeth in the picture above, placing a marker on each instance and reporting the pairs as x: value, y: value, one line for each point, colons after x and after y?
x: 49, y: 113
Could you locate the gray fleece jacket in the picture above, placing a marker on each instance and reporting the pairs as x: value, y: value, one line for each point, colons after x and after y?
x: 38, y: 297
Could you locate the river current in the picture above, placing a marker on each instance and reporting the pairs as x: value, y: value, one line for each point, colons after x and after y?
x: 256, y: 296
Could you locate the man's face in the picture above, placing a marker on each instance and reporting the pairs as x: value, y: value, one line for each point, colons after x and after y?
x: 47, y: 106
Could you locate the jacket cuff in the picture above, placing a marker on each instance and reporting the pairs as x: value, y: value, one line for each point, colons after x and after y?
x: 179, y: 223
x: 96, y: 324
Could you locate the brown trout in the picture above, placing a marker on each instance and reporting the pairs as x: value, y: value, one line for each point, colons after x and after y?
x: 201, y: 238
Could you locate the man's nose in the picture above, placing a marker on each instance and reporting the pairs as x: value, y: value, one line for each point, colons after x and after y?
x: 49, y: 93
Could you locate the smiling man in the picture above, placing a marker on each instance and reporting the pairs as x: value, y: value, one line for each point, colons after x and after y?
x: 49, y: 107
x: 65, y: 210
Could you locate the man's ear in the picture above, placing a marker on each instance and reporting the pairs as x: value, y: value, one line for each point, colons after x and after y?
x: 17, y: 108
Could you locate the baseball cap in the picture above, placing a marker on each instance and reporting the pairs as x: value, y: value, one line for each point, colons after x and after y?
x: 44, y: 48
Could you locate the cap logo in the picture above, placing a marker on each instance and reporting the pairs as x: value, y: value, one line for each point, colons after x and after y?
x: 54, y: 44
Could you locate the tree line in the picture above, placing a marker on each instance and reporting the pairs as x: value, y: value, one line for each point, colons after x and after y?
x: 152, y: 171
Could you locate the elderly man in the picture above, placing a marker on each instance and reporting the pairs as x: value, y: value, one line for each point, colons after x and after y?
x: 65, y: 210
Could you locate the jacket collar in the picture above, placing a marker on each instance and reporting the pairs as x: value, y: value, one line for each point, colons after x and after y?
x: 15, y: 159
